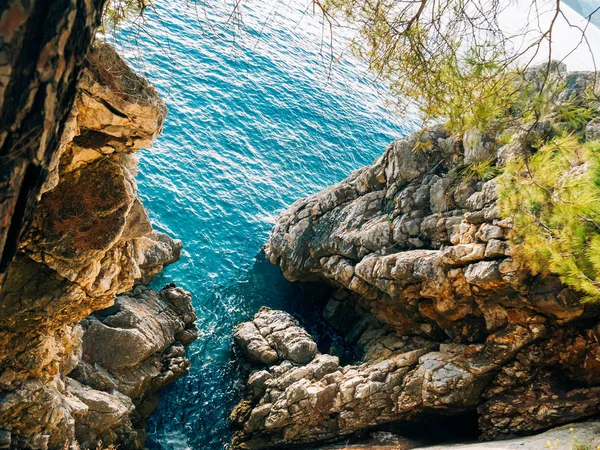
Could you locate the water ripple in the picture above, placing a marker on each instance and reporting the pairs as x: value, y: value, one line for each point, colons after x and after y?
x: 257, y: 119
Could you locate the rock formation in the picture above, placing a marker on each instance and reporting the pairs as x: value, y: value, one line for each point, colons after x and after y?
x: 43, y: 46
x: 445, y: 317
x: 90, y: 240
x: 584, y: 435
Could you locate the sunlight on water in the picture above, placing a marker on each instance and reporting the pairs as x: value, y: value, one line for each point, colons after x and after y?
x: 258, y: 117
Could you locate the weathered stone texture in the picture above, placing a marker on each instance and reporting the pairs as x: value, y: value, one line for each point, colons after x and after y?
x: 90, y: 240
x: 419, y: 253
x: 43, y: 44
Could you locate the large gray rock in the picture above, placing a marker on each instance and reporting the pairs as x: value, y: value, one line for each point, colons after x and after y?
x: 136, y: 346
x: 415, y: 250
x: 403, y: 379
x: 291, y: 403
x: 273, y: 336
x: 592, y: 131
x: 478, y: 146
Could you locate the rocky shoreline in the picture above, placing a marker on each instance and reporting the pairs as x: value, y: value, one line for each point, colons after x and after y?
x: 442, y: 311
x: 429, y: 288
x: 85, y: 345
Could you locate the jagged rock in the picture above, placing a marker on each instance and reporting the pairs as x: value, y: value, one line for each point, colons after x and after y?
x: 478, y: 146
x: 134, y: 342
x: 108, y: 377
x: 97, y: 412
x: 154, y: 252
x: 273, y: 336
x: 90, y: 240
x: 592, y: 131
x: 292, y: 403
x: 253, y: 344
x: 418, y: 253
x: 131, y: 350
x: 43, y: 49
x: 121, y: 109
x: 404, y: 378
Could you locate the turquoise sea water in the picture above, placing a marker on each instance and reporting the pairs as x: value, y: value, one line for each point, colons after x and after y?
x: 258, y: 118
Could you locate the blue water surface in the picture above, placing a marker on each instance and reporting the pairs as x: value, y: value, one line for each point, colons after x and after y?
x: 259, y: 116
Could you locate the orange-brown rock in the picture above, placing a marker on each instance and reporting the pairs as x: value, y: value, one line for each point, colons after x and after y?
x: 90, y: 240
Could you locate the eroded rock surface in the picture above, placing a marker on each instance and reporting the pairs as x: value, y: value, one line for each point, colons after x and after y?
x: 130, y: 351
x: 419, y: 252
x: 44, y: 44
x: 274, y: 336
x: 90, y: 240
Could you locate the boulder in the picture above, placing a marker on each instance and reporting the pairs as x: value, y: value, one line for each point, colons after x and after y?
x: 273, y: 336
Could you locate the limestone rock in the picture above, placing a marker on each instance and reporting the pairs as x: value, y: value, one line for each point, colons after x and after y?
x: 119, y: 108
x: 133, y: 349
x: 592, y: 131
x: 478, y: 146
x: 40, y: 63
x: 403, y: 378
x: 154, y: 252
x: 413, y: 252
x: 273, y: 336
x: 90, y: 240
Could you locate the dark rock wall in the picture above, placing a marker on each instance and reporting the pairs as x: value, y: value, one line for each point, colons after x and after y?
x: 43, y: 44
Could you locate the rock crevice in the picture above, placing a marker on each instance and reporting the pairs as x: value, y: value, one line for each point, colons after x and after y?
x: 434, y: 295
x: 84, y: 346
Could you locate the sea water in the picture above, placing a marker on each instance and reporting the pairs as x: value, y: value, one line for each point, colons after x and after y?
x: 265, y: 107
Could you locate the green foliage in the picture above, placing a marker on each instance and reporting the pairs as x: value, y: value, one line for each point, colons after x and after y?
x: 578, y: 444
x: 422, y: 146
x: 483, y: 170
x: 581, y: 445
x: 554, y: 199
x: 117, y: 11
x: 576, y: 116
x: 434, y: 54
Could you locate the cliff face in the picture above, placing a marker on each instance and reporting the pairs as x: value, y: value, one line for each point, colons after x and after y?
x: 91, y: 240
x: 43, y: 46
x: 445, y: 317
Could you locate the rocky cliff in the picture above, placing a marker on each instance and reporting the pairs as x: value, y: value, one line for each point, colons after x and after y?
x: 444, y: 315
x: 43, y: 47
x: 66, y: 375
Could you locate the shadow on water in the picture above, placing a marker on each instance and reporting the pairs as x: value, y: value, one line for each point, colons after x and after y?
x: 216, y: 380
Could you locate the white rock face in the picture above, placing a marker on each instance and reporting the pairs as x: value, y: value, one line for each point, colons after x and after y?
x: 561, y: 438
